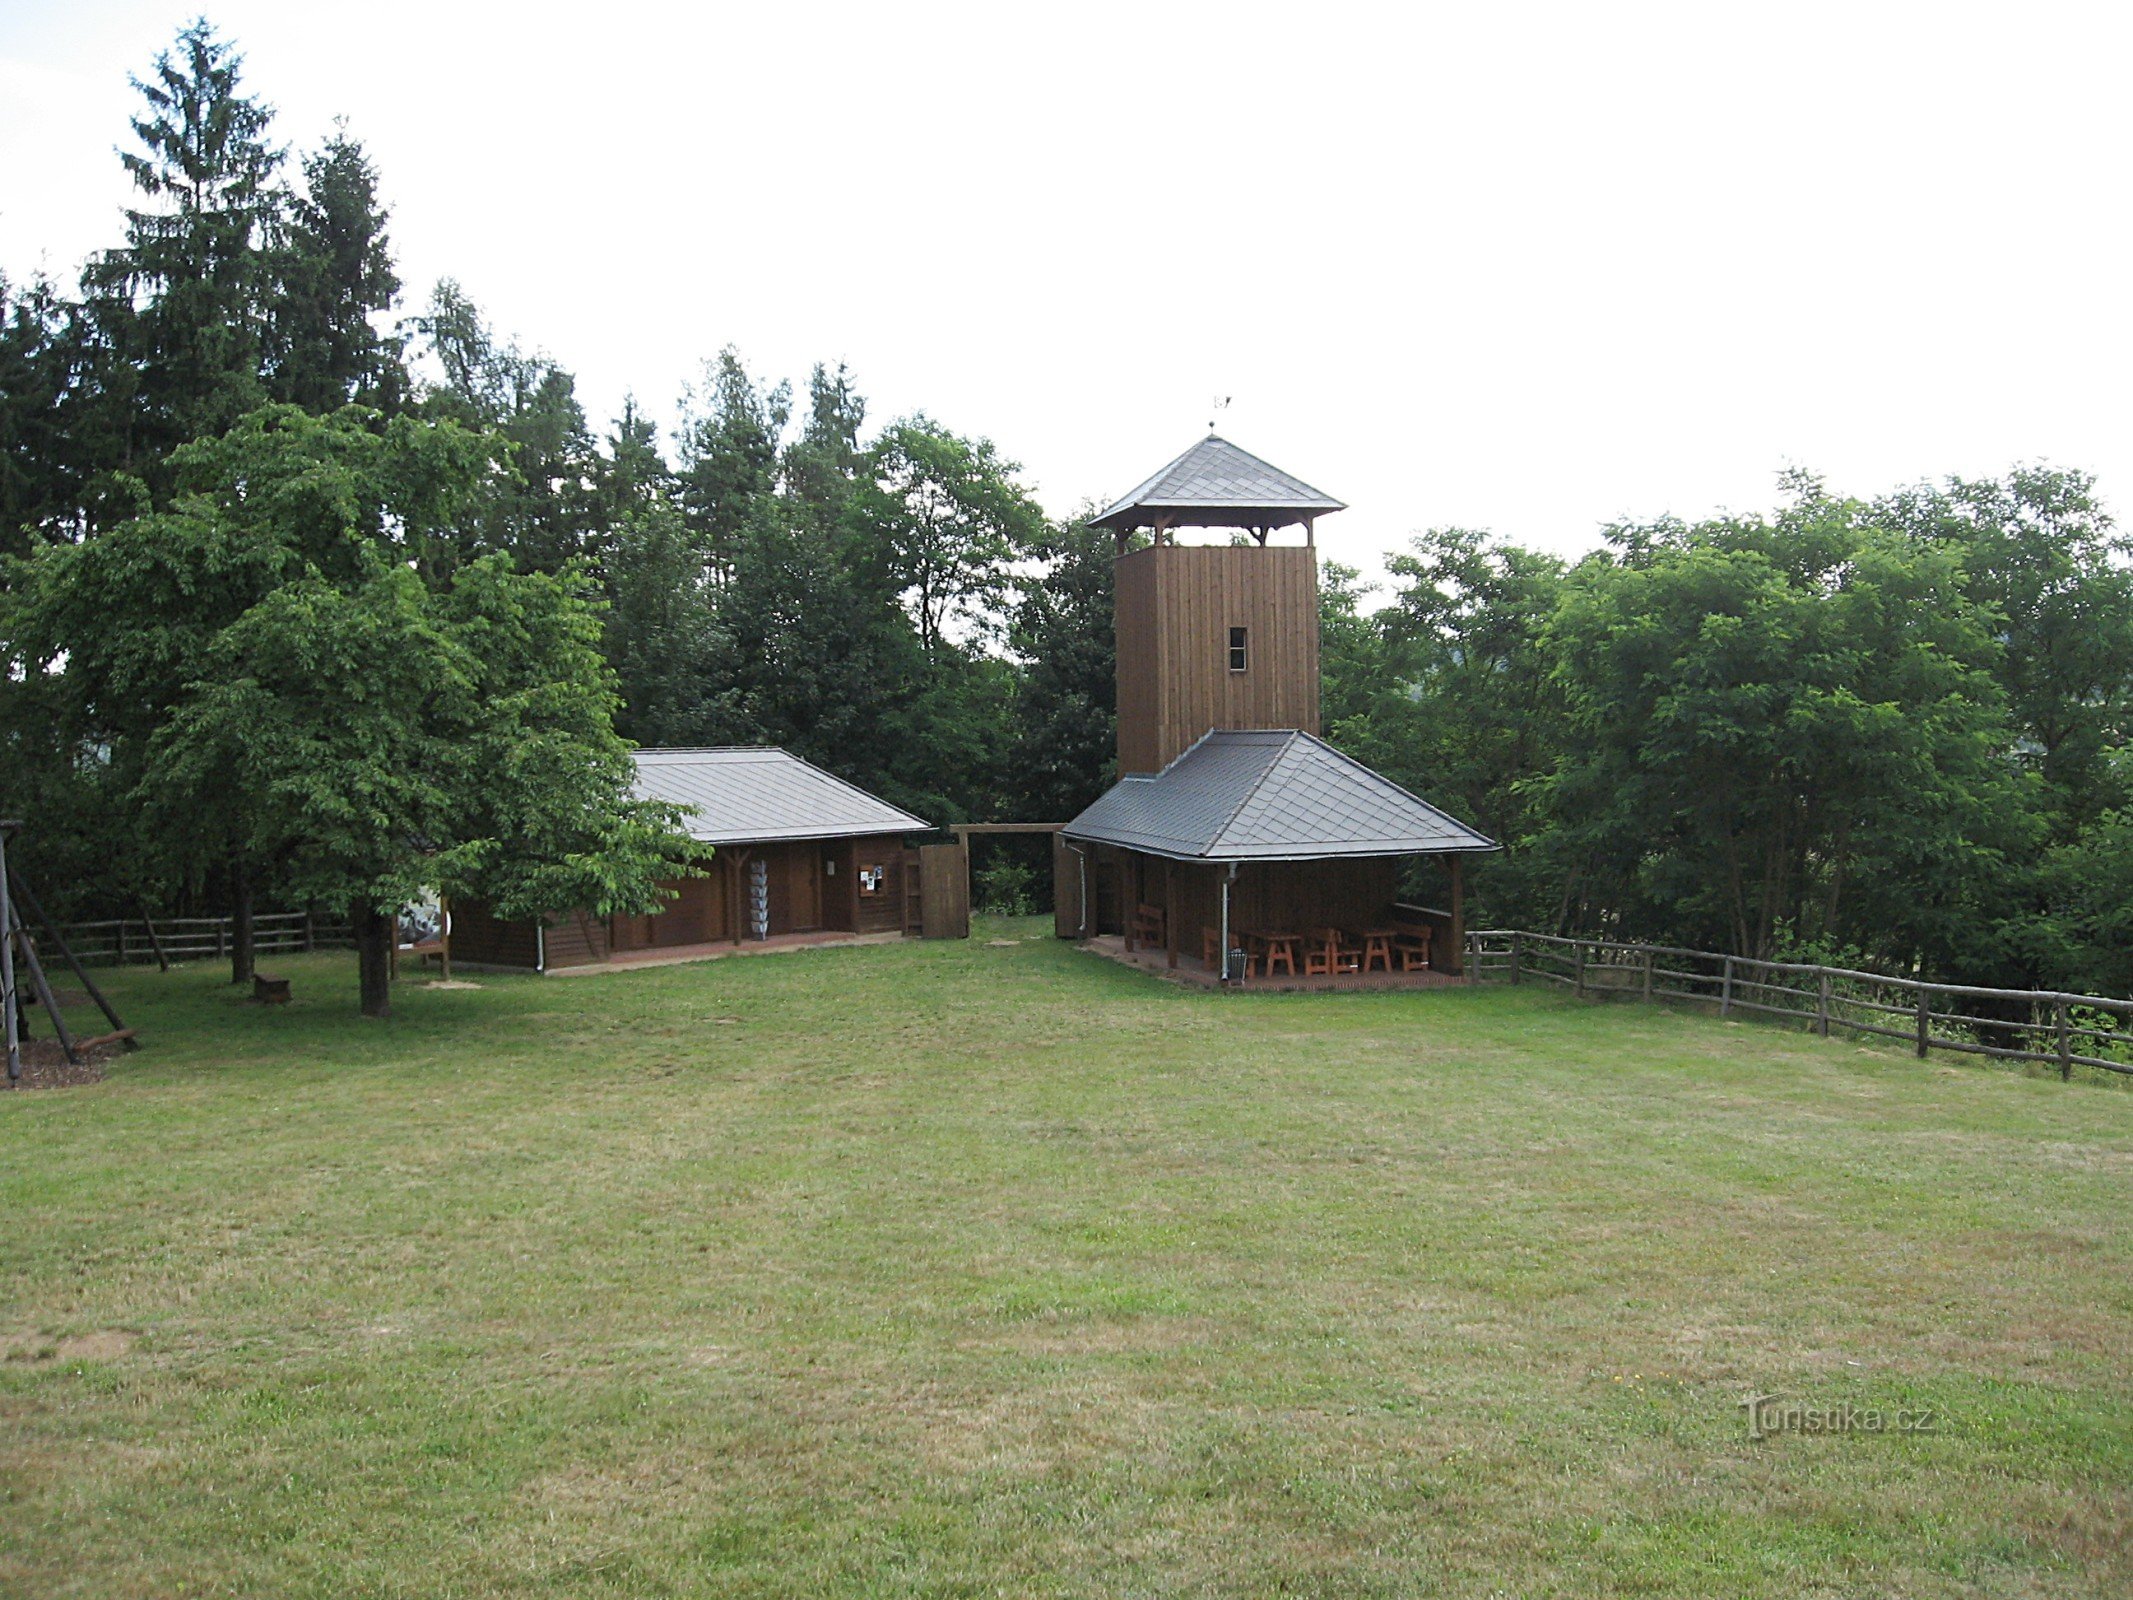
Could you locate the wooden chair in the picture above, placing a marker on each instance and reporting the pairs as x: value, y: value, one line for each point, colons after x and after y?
x: 1413, y: 945
x: 1328, y: 955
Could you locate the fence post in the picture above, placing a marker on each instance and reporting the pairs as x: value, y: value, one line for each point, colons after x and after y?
x: 1822, y: 1004
x: 1577, y: 986
x: 1518, y: 954
x: 2066, y: 1038
x: 222, y: 928
x: 1725, y: 990
x: 122, y: 941
x: 310, y: 939
x: 1925, y: 1021
x: 1473, y: 956
x: 1647, y: 974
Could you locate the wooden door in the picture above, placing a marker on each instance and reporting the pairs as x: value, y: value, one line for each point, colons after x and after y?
x: 944, y: 891
x: 804, y: 866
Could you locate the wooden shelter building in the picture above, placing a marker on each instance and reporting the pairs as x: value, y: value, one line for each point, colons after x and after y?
x: 793, y: 852
x: 1233, y: 825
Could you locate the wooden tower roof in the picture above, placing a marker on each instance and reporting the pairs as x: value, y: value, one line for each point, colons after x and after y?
x: 1217, y: 485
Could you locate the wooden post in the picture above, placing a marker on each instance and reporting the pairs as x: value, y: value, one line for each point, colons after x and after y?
x: 8, y: 1001
x: 1458, y: 927
x: 1725, y: 991
x: 310, y: 935
x: 154, y: 942
x: 222, y: 928
x: 1925, y: 1021
x: 22, y: 897
x: 122, y: 941
x: 1518, y: 955
x: 1170, y: 911
x: 1822, y: 1004
x: 1577, y: 982
x: 1648, y: 964
x: 28, y: 951
x: 2066, y: 1038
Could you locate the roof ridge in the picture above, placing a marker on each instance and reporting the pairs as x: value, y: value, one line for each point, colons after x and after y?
x: 1257, y: 783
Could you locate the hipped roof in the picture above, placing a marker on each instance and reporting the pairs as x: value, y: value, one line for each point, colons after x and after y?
x: 743, y: 796
x: 1272, y: 795
x: 1217, y: 485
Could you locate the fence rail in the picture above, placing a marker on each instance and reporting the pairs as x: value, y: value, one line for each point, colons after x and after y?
x: 123, y: 941
x: 2033, y: 1025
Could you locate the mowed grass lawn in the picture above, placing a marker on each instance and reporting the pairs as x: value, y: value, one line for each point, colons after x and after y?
x: 948, y: 1269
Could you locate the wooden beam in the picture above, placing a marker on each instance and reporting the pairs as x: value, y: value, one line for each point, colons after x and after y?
x: 1170, y: 910
x: 1458, y: 928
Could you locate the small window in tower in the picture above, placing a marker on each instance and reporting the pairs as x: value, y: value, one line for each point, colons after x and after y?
x: 1239, y: 653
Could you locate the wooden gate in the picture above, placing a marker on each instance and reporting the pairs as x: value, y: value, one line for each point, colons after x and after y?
x: 944, y: 891
x: 1073, y: 896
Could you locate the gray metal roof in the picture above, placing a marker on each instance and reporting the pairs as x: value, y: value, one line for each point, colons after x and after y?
x: 1216, y: 485
x: 1273, y: 795
x: 739, y: 796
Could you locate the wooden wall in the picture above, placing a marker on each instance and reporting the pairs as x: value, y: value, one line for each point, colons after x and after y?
x: 814, y: 887
x: 1175, y: 607
x: 481, y: 939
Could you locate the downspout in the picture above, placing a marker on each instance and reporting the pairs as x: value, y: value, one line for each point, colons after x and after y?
x: 1081, y: 865
x: 1222, y: 955
x: 540, y: 946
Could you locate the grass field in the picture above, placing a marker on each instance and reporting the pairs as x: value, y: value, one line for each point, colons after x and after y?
x: 959, y: 1270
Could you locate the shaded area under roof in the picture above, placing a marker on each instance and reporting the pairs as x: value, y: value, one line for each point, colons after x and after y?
x: 1269, y: 795
x: 1216, y: 485
x: 739, y: 796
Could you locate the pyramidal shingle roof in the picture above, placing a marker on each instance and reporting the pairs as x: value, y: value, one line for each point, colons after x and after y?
x: 1273, y: 795
x: 1216, y: 485
x: 741, y: 795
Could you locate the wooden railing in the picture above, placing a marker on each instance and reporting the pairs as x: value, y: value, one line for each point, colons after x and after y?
x: 2043, y: 1026
x: 125, y: 940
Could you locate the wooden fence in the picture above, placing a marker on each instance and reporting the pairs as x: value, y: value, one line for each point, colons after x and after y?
x: 2061, y: 1030
x: 128, y: 940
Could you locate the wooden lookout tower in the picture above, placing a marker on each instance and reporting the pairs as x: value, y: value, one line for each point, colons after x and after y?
x: 1234, y: 826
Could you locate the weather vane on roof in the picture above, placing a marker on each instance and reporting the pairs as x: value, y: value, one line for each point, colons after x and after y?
x: 1221, y: 404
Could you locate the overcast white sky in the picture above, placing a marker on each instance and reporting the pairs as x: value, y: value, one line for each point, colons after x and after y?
x: 1528, y: 268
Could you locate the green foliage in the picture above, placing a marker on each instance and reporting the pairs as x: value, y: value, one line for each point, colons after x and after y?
x: 277, y: 687
x: 336, y: 275
x: 1006, y: 886
x: 1895, y: 730
x: 182, y: 308
x: 1065, y: 722
x: 948, y: 519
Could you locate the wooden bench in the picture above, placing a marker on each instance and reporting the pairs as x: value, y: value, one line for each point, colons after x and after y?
x: 1147, y: 926
x: 1413, y: 947
x: 270, y: 991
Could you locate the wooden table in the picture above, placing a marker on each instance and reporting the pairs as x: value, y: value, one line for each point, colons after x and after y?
x: 1378, y: 945
x: 1274, y: 946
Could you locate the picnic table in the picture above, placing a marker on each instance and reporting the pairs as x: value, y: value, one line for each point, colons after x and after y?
x: 1379, y: 945
x: 1271, y: 946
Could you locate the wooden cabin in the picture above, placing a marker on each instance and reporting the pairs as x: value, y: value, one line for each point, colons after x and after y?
x: 791, y: 852
x: 1233, y: 824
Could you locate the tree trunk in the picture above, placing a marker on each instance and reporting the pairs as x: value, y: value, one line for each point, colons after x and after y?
x: 241, y: 962
x: 374, y: 934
